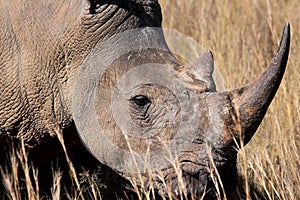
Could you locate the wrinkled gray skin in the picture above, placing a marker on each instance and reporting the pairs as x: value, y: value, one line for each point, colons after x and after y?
x: 43, y: 44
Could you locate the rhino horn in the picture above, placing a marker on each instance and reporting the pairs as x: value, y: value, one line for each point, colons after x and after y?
x: 251, y: 102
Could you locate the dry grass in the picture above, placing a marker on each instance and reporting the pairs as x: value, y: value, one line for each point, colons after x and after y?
x: 243, y: 36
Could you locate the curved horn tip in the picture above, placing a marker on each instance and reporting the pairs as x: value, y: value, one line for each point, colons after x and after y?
x: 285, y: 39
x: 287, y: 28
x: 255, y: 98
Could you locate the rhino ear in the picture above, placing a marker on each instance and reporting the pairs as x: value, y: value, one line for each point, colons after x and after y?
x: 203, y: 68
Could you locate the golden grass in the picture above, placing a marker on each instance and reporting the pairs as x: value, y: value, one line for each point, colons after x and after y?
x: 243, y: 36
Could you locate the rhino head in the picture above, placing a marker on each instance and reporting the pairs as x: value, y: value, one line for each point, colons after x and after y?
x: 162, y: 124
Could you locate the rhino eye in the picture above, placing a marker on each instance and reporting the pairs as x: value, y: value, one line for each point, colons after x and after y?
x: 140, y: 100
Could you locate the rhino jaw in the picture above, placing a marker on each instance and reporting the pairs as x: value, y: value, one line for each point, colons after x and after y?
x: 251, y: 102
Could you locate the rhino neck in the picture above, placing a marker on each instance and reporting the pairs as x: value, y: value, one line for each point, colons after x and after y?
x: 99, y: 23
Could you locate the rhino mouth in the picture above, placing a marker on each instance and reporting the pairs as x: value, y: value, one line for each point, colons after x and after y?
x: 191, y: 185
x: 194, y: 184
x: 191, y: 182
x: 192, y: 177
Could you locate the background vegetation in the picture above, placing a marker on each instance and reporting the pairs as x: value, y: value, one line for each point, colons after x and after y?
x: 243, y: 36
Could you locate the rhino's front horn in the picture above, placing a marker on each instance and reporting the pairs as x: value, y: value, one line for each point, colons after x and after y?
x: 251, y: 101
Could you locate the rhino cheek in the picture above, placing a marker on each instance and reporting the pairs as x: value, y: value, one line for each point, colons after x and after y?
x: 112, y: 140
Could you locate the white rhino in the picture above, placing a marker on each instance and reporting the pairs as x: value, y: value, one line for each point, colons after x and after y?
x: 50, y: 51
